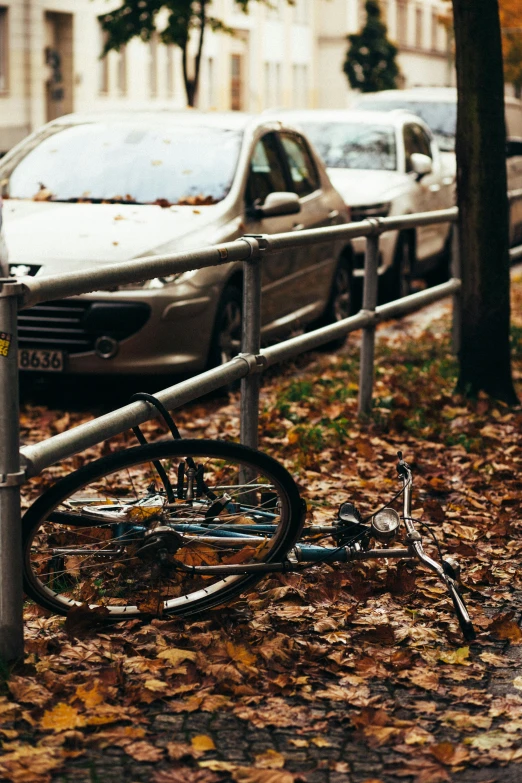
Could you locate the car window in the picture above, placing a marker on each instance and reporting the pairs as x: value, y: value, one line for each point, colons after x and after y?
x: 440, y: 116
x: 266, y: 171
x: 132, y: 162
x: 353, y: 145
x: 415, y: 140
x: 304, y: 175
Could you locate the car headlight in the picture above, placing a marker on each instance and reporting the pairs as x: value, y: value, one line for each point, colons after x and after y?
x: 158, y: 282
x: 370, y: 211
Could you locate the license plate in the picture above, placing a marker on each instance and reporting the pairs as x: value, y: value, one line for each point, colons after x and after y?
x: 40, y: 360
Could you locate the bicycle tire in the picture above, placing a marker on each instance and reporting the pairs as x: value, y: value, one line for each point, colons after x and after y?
x: 45, y: 513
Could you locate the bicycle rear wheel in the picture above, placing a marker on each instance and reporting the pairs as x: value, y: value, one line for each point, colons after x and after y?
x: 112, y: 535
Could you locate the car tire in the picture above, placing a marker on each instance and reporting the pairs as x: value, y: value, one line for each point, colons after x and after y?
x: 340, y: 302
x: 226, y: 334
x: 403, y: 267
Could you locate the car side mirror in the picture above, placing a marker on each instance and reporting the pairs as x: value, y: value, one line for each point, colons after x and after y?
x: 513, y: 147
x: 421, y: 164
x: 276, y: 204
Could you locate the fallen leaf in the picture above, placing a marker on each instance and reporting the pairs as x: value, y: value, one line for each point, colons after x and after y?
x: 202, y: 742
x: 144, y: 751
x: 459, y: 656
x: 61, y: 718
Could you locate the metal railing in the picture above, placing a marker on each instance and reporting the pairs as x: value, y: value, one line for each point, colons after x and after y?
x: 16, y: 467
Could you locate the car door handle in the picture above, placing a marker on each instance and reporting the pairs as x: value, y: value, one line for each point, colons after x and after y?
x: 333, y: 214
x: 298, y: 227
x: 434, y: 188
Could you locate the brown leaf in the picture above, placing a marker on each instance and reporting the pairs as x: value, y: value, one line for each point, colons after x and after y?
x: 449, y: 754
x: 504, y: 627
x: 28, y: 691
x: 253, y: 775
x: 144, y: 751
x: 270, y: 759
x: 181, y: 750
x: 184, y: 775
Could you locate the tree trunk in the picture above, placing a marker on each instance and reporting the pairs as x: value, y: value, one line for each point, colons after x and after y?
x: 485, y: 363
x: 191, y: 84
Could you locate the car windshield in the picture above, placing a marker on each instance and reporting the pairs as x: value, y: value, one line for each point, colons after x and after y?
x: 132, y: 163
x: 350, y: 145
x: 440, y: 116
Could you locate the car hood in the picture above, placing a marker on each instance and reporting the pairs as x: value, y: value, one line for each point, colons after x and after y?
x: 63, y: 237
x: 360, y: 187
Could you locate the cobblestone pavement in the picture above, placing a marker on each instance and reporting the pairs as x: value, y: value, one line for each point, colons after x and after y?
x: 346, y: 758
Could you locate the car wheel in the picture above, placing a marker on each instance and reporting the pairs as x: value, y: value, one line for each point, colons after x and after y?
x: 226, y: 336
x: 402, y: 269
x: 340, y: 302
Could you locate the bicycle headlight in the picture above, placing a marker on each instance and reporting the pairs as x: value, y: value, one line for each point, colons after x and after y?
x: 385, y: 524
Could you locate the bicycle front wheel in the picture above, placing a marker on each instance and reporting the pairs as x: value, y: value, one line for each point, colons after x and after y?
x: 156, y: 529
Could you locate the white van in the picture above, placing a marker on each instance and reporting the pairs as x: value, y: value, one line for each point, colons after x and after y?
x: 437, y: 106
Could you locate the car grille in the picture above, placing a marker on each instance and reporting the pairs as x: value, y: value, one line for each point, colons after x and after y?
x: 75, y: 325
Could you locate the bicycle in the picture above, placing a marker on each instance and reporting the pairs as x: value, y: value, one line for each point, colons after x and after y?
x: 177, y: 527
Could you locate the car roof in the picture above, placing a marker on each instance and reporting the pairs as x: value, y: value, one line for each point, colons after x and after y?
x: 232, y: 120
x: 396, y: 118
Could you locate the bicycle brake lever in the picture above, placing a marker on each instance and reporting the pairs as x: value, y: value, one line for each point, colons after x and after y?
x: 403, y: 469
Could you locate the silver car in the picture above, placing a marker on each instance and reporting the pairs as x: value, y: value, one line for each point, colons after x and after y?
x: 386, y: 164
x: 96, y: 189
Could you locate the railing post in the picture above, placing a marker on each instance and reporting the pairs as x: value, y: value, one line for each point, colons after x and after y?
x: 251, y: 344
x: 456, y: 272
x: 11, y: 476
x: 371, y: 263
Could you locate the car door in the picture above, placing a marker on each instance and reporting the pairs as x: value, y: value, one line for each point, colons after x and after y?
x: 268, y: 174
x: 427, y: 189
x: 313, y: 264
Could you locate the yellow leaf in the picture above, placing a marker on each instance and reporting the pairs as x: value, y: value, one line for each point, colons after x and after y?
x: 61, y: 718
x: 92, y: 697
x: 240, y: 654
x: 459, y: 656
x: 174, y: 655
x: 517, y: 683
x: 270, y: 759
x: 202, y: 742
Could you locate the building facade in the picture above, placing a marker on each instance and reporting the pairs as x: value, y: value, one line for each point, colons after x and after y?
x: 287, y: 56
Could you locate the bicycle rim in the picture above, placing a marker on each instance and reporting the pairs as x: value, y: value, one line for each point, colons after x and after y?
x: 107, y: 536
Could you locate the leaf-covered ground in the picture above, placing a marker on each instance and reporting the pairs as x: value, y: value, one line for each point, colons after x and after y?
x: 341, y: 674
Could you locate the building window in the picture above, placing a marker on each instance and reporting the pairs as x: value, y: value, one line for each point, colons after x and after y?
x: 236, y: 85
x: 3, y: 51
x: 272, y: 85
x: 402, y: 22
x: 274, y: 9
x: 153, y: 65
x: 301, y: 12
x: 121, y: 71
x: 434, y: 31
x: 103, y: 85
x: 419, y: 18
x: 170, y: 70
x: 300, y: 86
